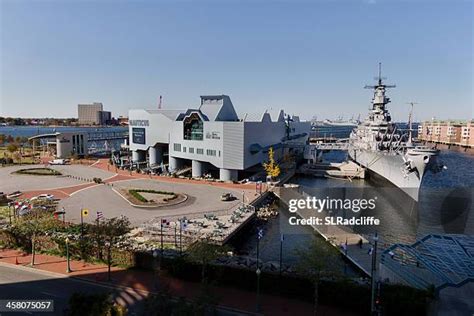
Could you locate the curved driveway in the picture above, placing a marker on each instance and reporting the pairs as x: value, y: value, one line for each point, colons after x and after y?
x: 75, y: 194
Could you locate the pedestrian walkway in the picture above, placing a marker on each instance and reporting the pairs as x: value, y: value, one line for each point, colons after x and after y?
x: 104, y: 165
x: 353, y: 246
x: 136, y: 282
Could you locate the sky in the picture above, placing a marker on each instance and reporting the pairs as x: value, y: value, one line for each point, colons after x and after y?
x: 310, y: 58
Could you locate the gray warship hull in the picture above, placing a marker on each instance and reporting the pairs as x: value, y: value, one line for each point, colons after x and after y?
x: 390, y: 167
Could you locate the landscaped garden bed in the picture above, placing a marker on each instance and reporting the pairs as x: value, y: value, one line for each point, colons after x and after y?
x: 38, y: 172
x: 146, y: 197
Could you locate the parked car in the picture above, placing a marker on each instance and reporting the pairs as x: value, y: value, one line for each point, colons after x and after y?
x: 14, y: 194
x: 46, y: 196
x: 227, y: 197
x: 59, y: 162
x: 24, y: 210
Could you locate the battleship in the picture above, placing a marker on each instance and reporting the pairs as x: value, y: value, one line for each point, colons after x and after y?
x: 384, y: 150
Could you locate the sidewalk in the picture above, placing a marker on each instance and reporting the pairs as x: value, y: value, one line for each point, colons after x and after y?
x: 125, y: 175
x: 143, y: 280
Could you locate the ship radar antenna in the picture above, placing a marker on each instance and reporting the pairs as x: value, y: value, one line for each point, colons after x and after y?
x: 380, y: 73
x: 379, y: 80
x: 410, y: 121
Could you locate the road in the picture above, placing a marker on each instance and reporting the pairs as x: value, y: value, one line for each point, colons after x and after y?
x: 21, y: 284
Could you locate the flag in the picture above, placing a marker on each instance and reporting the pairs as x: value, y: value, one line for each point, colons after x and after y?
x: 370, y: 251
x: 164, y: 222
x: 99, y: 215
x: 85, y: 212
x: 184, y: 224
x: 260, y: 233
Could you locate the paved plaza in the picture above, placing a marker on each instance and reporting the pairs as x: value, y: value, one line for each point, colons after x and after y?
x: 76, y: 191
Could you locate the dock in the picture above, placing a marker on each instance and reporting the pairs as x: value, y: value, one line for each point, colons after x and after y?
x: 337, y: 236
x: 346, y: 169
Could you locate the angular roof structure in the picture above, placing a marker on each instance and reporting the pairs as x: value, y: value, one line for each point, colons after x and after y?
x: 218, y: 108
x: 439, y: 260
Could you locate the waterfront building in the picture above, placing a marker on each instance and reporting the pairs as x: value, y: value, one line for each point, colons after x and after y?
x: 439, y: 262
x: 212, y: 137
x: 93, y: 114
x: 460, y: 133
x: 64, y: 144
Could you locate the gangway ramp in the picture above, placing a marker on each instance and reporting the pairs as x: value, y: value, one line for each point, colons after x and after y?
x: 347, y: 169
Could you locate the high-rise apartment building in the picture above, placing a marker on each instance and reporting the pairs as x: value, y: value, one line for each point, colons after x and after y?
x: 93, y: 114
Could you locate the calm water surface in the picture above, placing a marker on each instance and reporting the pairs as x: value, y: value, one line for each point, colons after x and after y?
x: 445, y: 206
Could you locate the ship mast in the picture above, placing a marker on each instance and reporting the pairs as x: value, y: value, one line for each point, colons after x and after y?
x: 380, y: 100
x: 410, y: 118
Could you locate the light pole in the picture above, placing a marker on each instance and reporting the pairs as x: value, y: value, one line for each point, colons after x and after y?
x: 155, y: 256
x: 10, y: 213
x: 281, y: 252
x: 259, y: 236
x: 108, y: 245
x: 68, y: 268
x: 373, y: 275
x: 258, y: 289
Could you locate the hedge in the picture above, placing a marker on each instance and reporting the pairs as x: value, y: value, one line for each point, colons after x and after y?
x: 341, y: 293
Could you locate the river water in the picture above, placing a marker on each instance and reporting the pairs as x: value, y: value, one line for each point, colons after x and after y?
x: 94, y: 146
x: 29, y: 131
x: 445, y: 206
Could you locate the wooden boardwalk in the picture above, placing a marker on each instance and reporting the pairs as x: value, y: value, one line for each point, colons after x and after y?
x: 336, y: 235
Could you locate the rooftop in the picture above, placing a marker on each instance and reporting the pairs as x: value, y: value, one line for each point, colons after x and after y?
x: 439, y: 260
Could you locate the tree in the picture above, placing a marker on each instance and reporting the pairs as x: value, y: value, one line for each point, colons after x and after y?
x: 17, y: 156
x: 12, y: 148
x: 271, y: 167
x: 111, y: 231
x: 203, y: 252
x: 94, y: 305
x: 34, y: 225
x: 319, y: 260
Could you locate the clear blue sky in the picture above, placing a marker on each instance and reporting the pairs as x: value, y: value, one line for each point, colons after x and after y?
x: 310, y: 58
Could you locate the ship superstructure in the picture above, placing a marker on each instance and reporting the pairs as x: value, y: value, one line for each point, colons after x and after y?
x: 377, y: 145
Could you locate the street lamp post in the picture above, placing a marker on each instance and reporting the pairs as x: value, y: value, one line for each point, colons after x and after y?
x: 258, y: 289
x: 68, y: 268
x: 259, y: 235
x: 108, y: 245
x: 155, y: 256
x: 374, y: 275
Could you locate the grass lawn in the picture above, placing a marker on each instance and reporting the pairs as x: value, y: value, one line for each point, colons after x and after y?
x: 38, y: 172
x: 26, y: 155
x: 4, y: 212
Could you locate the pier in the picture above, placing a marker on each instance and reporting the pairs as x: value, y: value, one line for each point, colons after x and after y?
x: 340, y: 237
x: 216, y: 226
